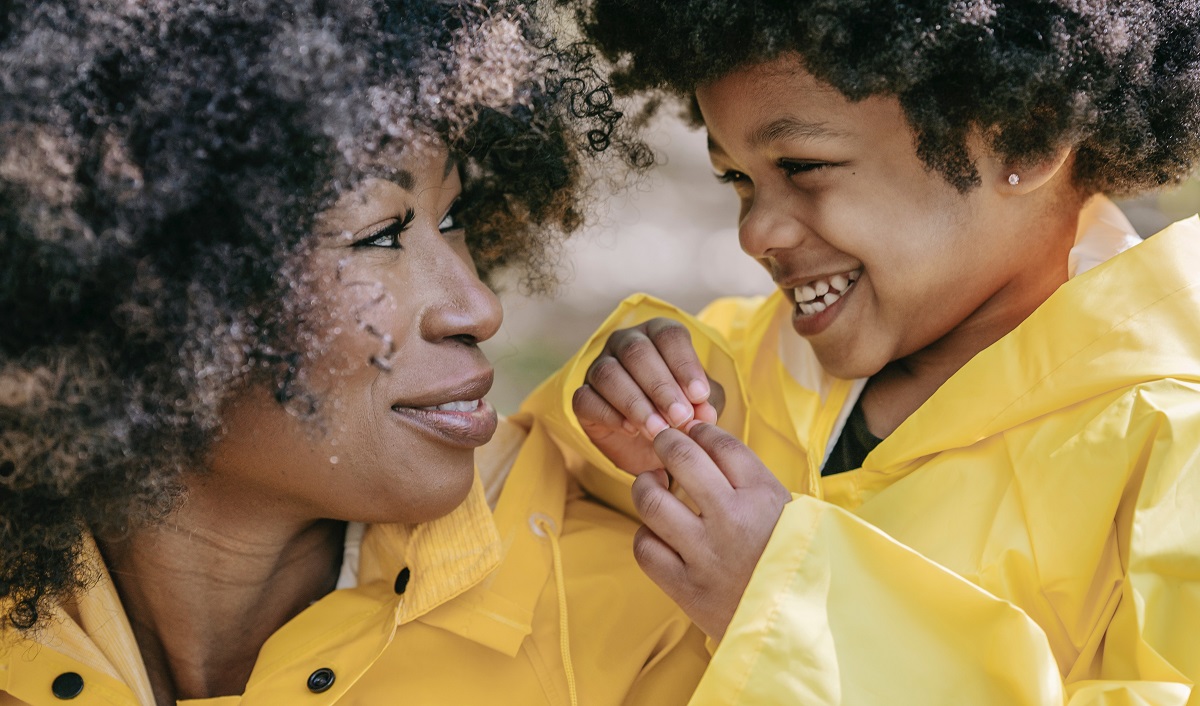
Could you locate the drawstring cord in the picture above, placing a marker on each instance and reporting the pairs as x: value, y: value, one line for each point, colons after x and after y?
x: 563, y: 630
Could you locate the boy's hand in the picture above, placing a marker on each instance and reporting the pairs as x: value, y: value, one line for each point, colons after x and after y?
x: 704, y: 560
x: 647, y: 378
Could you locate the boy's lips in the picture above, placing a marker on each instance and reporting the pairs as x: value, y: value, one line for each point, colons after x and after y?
x: 819, y: 301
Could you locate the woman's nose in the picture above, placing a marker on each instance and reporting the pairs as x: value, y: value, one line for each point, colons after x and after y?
x: 768, y: 226
x: 459, y: 305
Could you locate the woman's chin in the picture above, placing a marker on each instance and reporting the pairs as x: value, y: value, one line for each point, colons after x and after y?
x: 443, y: 492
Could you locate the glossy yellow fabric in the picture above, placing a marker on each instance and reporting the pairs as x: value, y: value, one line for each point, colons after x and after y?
x: 477, y: 624
x: 1030, y: 535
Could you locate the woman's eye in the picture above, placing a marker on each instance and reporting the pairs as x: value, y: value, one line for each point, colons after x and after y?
x: 450, y: 222
x: 387, y: 235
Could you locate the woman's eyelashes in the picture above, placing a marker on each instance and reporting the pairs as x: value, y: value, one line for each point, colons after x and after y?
x: 387, y: 234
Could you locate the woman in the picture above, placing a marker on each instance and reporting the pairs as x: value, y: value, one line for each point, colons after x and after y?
x: 240, y: 385
x: 982, y: 385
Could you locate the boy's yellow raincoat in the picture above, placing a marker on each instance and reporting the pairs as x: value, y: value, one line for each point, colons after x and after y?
x: 466, y: 609
x: 1030, y: 535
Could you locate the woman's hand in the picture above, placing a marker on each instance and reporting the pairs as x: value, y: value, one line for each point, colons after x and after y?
x: 703, y: 559
x: 647, y: 379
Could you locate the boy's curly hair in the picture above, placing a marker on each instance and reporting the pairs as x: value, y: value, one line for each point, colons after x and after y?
x: 1118, y: 79
x: 161, y: 166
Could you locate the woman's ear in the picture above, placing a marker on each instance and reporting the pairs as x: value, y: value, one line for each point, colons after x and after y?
x: 1024, y: 178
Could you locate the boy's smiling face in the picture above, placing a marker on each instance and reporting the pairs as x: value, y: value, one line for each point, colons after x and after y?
x: 881, y: 256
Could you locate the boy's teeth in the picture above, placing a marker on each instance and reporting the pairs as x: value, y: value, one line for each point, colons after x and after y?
x: 819, y: 307
x: 821, y: 290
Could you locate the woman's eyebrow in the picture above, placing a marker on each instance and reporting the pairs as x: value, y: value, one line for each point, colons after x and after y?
x: 400, y: 177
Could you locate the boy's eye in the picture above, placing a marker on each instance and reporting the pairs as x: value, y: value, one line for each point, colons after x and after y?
x: 794, y: 167
x: 387, y: 235
x: 730, y: 176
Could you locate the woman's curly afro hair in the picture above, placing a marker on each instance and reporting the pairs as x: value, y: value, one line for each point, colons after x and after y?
x: 1118, y: 79
x: 162, y: 163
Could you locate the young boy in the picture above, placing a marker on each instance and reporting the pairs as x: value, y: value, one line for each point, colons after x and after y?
x: 957, y: 460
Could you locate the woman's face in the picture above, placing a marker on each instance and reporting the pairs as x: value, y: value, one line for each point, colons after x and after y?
x: 880, y: 256
x: 399, y: 379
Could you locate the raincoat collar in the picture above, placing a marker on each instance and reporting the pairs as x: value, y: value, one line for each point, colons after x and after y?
x: 446, y: 558
x: 1108, y: 328
x: 498, y: 612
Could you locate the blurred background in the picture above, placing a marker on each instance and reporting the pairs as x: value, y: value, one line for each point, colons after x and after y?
x: 673, y: 235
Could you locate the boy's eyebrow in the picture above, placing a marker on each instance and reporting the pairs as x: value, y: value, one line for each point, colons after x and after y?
x: 789, y: 128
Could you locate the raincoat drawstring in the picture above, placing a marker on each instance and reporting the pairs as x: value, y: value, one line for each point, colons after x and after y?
x: 563, y: 629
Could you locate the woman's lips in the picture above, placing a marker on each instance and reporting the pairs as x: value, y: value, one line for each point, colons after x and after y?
x: 465, y: 424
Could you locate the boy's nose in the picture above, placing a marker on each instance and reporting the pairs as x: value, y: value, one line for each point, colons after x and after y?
x: 767, y: 227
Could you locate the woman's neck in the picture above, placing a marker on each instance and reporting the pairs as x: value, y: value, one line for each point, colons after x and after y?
x: 205, y: 591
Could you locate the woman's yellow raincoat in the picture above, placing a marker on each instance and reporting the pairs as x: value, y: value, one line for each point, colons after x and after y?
x: 1030, y: 535
x: 462, y: 610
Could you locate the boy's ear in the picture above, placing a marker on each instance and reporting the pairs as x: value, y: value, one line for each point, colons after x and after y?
x: 1024, y: 178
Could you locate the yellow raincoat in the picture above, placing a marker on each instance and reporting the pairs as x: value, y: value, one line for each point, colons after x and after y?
x: 1030, y: 535
x: 466, y: 609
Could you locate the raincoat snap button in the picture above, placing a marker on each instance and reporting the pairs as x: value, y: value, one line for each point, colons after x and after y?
x: 320, y: 680
x: 67, y: 685
x: 402, y: 581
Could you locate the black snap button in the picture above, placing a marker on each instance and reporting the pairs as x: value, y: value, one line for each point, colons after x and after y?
x: 402, y: 580
x: 67, y: 685
x: 321, y: 680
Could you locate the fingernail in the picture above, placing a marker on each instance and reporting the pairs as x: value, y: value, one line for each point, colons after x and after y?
x: 698, y: 390
x: 629, y: 428
x: 655, y: 424
x: 687, y: 428
x: 679, y: 414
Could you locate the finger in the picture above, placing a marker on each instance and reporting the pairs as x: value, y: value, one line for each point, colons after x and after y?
x: 735, y: 460
x: 693, y: 470
x: 674, y: 344
x: 596, y: 415
x: 663, y: 513
x: 659, y: 561
x: 608, y: 378
x: 642, y: 360
x: 705, y: 412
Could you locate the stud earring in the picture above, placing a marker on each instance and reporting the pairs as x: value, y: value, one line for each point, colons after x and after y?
x: 1014, y: 179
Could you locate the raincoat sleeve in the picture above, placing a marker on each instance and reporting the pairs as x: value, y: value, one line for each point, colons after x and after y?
x: 838, y: 612
x: 550, y: 403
